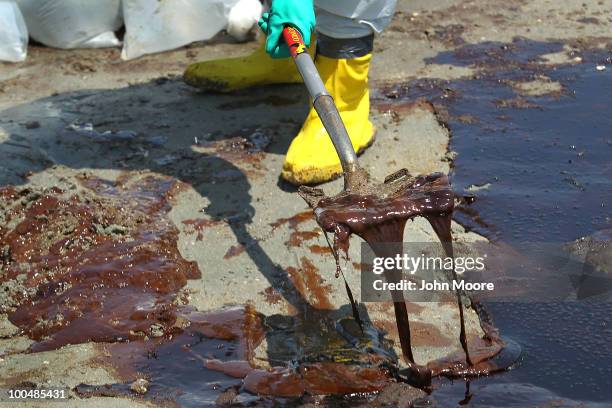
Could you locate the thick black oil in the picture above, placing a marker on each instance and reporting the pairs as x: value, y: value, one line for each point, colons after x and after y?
x: 545, y: 158
x: 547, y: 163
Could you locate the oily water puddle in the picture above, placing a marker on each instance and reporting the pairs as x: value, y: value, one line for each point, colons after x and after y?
x: 545, y: 163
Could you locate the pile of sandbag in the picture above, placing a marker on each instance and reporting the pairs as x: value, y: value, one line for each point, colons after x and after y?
x: 154, y: 26
x: 13, y: 33
x: 150, y: 25
x: 73, y: 23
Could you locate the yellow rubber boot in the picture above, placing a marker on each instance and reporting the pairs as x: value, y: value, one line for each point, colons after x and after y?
x: 311, y: 158
x: 231, y: 74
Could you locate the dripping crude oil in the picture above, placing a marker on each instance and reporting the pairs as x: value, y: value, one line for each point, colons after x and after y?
x: 380, y: 219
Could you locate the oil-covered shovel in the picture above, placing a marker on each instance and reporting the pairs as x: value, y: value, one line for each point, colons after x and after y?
x: 357, y: 182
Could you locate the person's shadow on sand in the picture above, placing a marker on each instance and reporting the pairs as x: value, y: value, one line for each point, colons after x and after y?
x: 154, y: 127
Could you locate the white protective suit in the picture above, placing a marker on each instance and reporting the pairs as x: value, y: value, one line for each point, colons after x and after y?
x: 353, y: 18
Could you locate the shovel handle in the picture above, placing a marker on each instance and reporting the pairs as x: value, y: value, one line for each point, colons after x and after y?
x: 322, y: 101
x: 295, y: 42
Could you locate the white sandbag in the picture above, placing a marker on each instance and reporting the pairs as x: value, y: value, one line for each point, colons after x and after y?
x: 154, y: 26
x: 13, y: 33
x: 73, y: 23
x: 242, y: 17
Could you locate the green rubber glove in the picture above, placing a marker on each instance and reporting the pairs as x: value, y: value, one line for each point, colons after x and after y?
x: 296, y: 13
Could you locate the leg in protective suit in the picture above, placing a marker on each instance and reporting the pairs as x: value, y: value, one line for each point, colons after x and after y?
x: 345, y: 32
